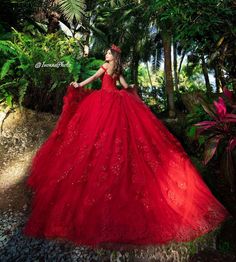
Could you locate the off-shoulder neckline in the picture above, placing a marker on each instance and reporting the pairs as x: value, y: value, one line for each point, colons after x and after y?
x: 108, y: 74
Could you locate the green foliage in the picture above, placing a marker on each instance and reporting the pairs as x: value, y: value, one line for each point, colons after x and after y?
x: 37, y: 65
x: 197, y: 115
x: 191, y: 81
x: 6, y: 67
x: 23, y: 54
x: 72, y: 9
x: 203, y: 28
x: 152, y: 89
x: 206, y: 27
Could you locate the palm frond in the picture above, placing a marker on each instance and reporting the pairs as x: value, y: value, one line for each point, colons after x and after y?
x: 72, y: 9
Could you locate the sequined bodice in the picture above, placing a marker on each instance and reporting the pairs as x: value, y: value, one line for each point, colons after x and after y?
x: 108, y: 82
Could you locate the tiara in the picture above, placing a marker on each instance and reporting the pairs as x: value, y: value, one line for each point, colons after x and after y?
x: 116, y: 48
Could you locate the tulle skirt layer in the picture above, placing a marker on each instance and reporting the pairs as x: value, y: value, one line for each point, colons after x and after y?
x: 111, y: 174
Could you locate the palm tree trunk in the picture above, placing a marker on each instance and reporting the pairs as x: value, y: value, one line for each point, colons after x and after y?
x: 217, y: 79
x: 134, y: 68
x: 149, y: 76
x: 175, y: 65
x: 219, y: 76
x: 166, y: 38
x: 181, y: 62
x: 205, y: 73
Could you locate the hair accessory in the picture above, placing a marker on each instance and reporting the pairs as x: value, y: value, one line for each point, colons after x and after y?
x: 116, y: 48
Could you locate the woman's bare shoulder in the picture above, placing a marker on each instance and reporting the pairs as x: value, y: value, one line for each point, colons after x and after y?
x: 105, y: 65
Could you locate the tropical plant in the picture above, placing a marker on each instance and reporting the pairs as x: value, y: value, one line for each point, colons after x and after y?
x: 152, y: 88
x: 72, y: 9
x: 220, y: 133
x: 163, y: 23
x: 205, y: 28
x: 190, y: 81
x: 37, y: 66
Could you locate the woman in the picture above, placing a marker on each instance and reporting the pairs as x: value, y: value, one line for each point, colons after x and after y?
x: 111, y: 174
x: 112, y: 66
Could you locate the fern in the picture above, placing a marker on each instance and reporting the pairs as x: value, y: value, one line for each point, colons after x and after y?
x: 7, y: 47
x: 9, y: 100
x: 3, y: 86
x: 6, y: 67
x: 43, y: 86
x: 5, y: 95
x: 22, y: 90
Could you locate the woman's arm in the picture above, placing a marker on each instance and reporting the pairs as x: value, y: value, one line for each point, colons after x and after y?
x: 91, y: 78
x: 124, y: 83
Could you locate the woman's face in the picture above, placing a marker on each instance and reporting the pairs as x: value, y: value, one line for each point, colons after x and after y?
x: 109, y: 57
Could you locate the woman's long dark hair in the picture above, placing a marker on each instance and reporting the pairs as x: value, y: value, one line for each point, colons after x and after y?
x: 118, y: 64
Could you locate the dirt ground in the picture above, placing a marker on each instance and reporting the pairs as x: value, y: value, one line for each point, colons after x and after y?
x: 22, y: 133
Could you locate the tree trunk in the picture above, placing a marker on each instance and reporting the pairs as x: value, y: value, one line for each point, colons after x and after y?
x: 217, y: 79
x: 149, y: 76
x: 205, y: 73
x: 175, y: 64
x: 134, y: 68
x: 181, y: 62
x: 166, y: 39
x: 53, y: 22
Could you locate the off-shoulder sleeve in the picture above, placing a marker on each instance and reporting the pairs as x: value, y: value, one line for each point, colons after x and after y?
x: 103, y: 68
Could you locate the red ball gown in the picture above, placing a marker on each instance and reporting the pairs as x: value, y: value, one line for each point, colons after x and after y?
x: 111, y: 174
